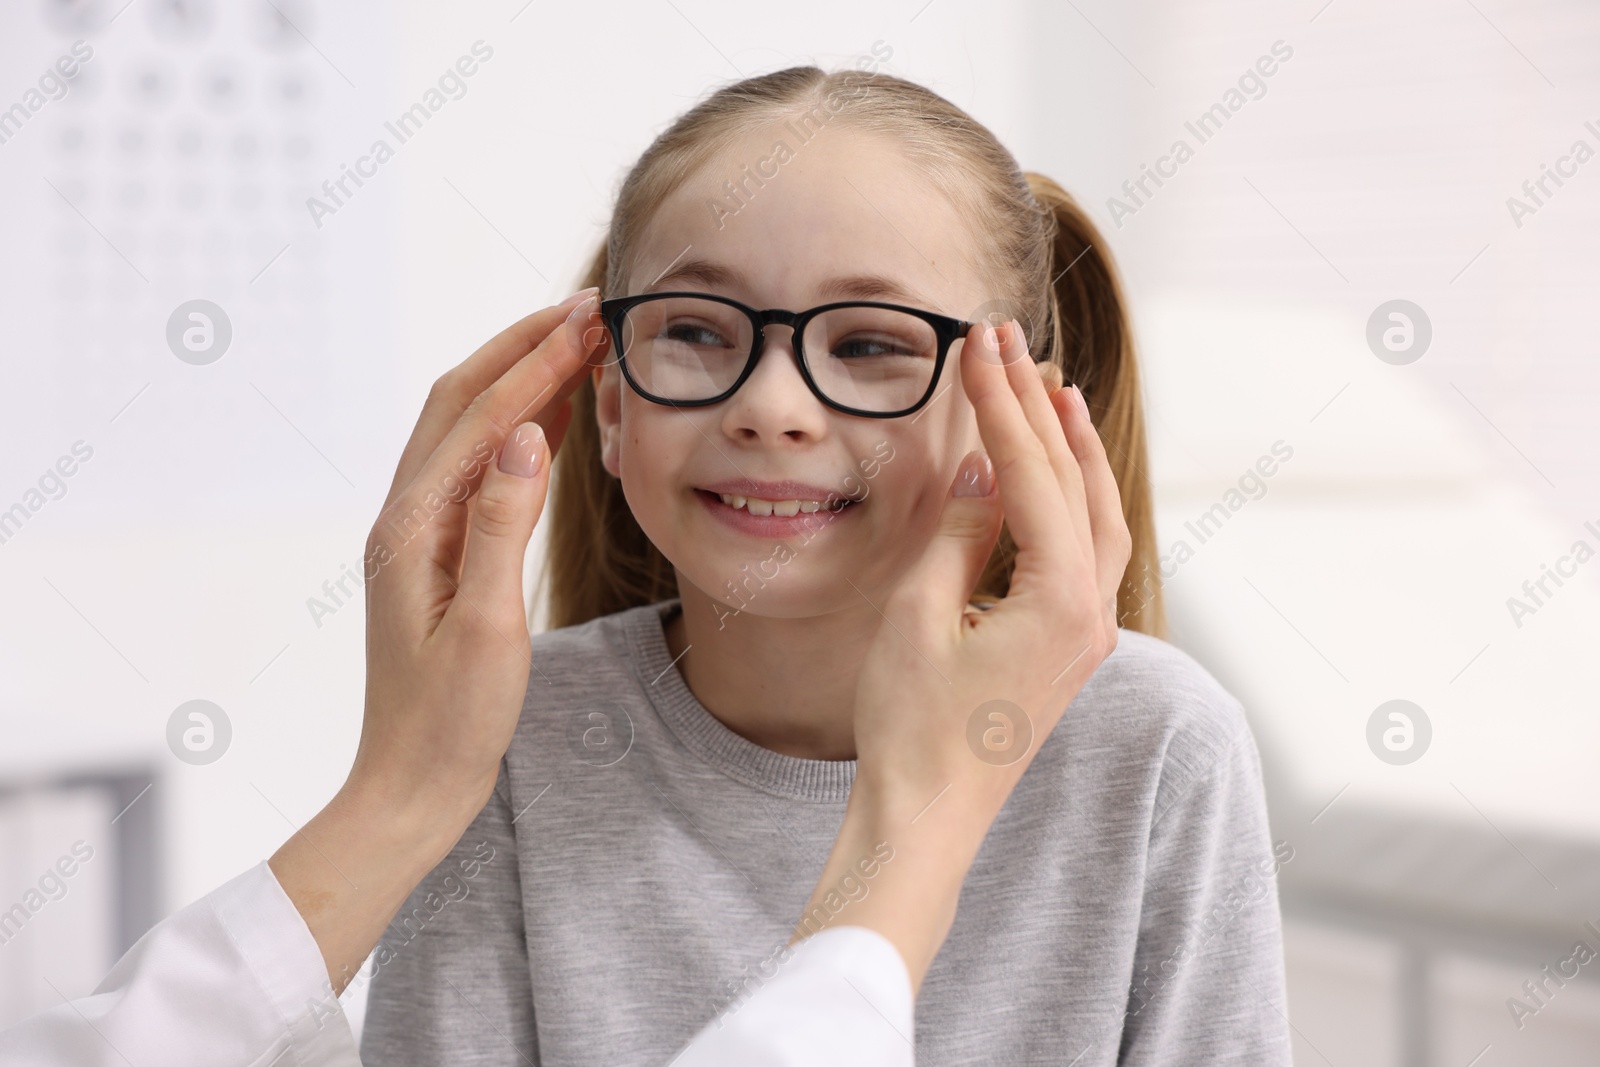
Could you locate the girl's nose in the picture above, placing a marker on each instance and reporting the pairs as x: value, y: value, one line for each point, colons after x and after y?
x: 775, y: 399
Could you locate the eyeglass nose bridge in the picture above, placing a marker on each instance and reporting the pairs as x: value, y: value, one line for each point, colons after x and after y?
x: 778, y: 317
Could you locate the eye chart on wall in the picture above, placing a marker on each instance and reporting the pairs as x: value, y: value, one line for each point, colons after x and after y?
x: 159, y: 154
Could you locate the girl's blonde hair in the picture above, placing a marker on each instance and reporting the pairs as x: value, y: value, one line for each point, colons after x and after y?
x: 1036, y: 242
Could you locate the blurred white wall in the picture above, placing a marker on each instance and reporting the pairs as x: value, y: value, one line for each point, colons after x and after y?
x: 1373, y: 164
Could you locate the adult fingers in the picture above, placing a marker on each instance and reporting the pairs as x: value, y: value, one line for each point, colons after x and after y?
x: 1046, y: 423
x: 460, y: 385
x: 1030, y: 490
x: 448, y: 553
x: 941, y: 582
x: 504, y: 512
x: 526, y: 387
x: 598, y: 340
x: 1113, y: 544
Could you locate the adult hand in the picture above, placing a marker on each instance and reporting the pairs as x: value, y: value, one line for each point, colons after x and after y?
x: 953, y: 702
x: 447, y: 637
x: 945, y: 660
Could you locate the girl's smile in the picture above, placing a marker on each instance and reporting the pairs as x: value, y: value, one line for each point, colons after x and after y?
x: 809, y: 511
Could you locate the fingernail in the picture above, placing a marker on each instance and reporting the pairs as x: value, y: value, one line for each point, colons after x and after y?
x: 1082, y: 404
x: 579, y: 296
x: 975, y: 477
x: 519, y: 456
x: 578, y: 323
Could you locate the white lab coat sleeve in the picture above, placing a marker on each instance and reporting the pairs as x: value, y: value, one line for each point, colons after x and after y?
x: 233, y: 980
x: 236, y: 980
x: 843, y: 999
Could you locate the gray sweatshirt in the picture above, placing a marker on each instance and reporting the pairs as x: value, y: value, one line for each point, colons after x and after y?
x: 639, y: 868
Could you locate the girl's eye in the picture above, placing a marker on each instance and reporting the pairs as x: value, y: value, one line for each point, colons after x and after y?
x: 861, y: 346
x: 693, y: 334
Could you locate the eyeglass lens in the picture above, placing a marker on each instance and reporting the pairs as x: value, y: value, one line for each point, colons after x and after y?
x: 692, y: 349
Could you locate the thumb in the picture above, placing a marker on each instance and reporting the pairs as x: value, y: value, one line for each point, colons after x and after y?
x: 510, y: 499
x: 962, y: 542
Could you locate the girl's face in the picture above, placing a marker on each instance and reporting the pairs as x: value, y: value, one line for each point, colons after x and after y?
x: 843, y: 218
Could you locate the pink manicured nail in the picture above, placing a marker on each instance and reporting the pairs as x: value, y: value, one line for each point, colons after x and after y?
x: 520, y: 454
x: 1077, y: 398
x: 578, y: 297
x: 975, y: 476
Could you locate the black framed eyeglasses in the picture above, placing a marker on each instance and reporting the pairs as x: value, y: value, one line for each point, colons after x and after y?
x: 861, y: 357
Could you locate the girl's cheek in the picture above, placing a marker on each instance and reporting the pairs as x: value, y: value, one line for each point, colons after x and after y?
x: 881, y: 453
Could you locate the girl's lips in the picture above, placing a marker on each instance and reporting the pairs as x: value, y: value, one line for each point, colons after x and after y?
x: 778, y: 526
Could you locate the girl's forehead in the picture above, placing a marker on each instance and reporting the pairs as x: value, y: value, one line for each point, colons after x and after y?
x: 786, y: 215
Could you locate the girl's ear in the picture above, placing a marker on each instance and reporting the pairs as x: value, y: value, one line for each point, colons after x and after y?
x: 608, y: 418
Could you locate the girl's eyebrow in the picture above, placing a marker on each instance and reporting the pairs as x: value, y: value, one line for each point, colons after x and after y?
x: 712, y: 275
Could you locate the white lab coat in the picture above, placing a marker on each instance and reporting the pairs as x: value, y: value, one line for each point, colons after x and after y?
x: 236, y: 980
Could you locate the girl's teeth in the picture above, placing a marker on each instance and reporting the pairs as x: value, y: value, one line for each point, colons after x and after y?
x: 783, y: 508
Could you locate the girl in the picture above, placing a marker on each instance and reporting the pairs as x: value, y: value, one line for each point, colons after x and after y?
x: 742, y: 495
